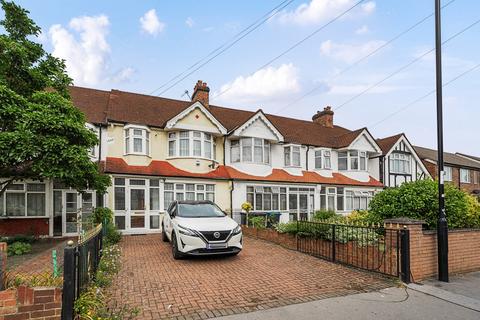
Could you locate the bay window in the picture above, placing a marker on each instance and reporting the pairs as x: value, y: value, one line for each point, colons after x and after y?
x: 254, y: 150
x: 292, y: 156
x: 332, y: 198
x: 400, y: 163
x: 191, y: 144
x: 464, y: 176
x: 357, y: 200
x: 267, y: 198
x: 323, y: 159
x: 352, y: 160
x: 188, y: 191
x: 24, y: 200
x: 137, y: 140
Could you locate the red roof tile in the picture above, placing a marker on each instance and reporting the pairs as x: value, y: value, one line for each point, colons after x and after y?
x: 387, y: 143
x: 165, y: 169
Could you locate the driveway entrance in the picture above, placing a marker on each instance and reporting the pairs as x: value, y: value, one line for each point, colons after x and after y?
x: 262, y: 276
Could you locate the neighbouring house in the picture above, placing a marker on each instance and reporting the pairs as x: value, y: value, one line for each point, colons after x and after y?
x: 158, y: 150
x: 399, y: 161
x: 461, y: 170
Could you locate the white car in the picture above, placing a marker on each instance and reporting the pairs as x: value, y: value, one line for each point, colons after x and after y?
x: 200, y: 228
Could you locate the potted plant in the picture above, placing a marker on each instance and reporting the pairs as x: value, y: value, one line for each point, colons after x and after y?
x: 247, y: 206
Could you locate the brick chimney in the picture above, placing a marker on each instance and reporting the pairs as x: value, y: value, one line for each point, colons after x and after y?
x: 201, y: 93
x: 324, y: 118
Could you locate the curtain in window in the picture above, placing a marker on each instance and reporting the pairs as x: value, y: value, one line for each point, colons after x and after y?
x: 35, y: 204
x: 15, y: 204
x: 246, y: 150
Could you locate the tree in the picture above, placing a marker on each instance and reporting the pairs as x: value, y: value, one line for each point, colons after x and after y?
x: 42, y: 134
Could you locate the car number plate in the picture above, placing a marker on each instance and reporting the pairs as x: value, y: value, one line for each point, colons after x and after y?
x: 216, y: 245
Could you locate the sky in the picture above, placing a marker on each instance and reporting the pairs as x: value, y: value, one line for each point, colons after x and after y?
x: 139, y: 46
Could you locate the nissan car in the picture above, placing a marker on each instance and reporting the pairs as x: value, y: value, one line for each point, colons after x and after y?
x: 200, y: 228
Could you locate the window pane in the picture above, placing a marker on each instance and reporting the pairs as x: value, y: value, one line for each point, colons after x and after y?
x: 363, y: 163
x: 318, y: 159
x: 296, y: 156
x: 16, y: 186
x: 120, y: 222
x: 200, y: 196
x: 171, y: 148
x: 179, y: 196
x: 197, y: 134
x: 353, y: 163
x: 154, y: 199
x: 286, y: 153
x: 137, y: 132
x: 38, y: 187
x: 137, y: 145
x: 208, y: 149
x: 137, y: 199
x: 168, y: 186
x: 258, y: 154
x: 197, y: 148
x: 127, y: 145
x: 184, y: 147
x: 258, y: 201
x: 15, y: 204
x: 250, y: 198
x: 266, y: 152
x: 36, y: 204
x: 211, y: 196
x: 87, y: 202
x: 275, y: 201
x: 119, y: 198
x: 235, y: 151
x: 292, y: 201
x: 137, y: 182
x: 118, y: 182
x: 154, y: 222
x: 190, y: 196
x: 168, y: 198
x: 210, y: 187
x: 283, y: 202
x: 247, y: 150
x: 267, y: 201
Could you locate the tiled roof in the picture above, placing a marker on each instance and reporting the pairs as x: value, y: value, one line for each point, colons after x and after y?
x: 386, y: 144
x: 126, y: 107
x: 165, y: 169
x: 448, y: 158
x: 468, y: 156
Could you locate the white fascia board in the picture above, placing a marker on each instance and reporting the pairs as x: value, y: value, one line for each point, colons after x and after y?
x: 197, y: 105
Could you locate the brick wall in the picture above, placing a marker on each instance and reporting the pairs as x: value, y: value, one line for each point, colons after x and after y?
x: 469, y: 187
x: 463, y: 251
x: 30, y: 303
x: 30, y: 226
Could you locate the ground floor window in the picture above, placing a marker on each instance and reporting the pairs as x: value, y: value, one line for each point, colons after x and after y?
x: 358, y: 200
x: 24, y: 200
x: 267, y: 198
x: 188, y: 191
x: 332, y: 198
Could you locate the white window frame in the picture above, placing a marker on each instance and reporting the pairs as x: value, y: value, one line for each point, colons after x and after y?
x: 205, y: 139
x: 364, y: 197
x: 290, y: 150
x: 323, y: 155
x: 267, y: 193
x: 360, y: 155
x: 200, y: 191
x: 129, y: 138
x: 400, y: 160
x: 468, y: 176
x: 93, y: 152
x: 240, y: 144
x: 25, y: 192
x: 447, y: 173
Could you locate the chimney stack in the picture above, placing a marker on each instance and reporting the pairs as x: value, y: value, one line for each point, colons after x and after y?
x: 324, y: 118
x: 201, y: 93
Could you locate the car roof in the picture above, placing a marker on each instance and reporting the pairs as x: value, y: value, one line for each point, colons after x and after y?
x: 194, y: 202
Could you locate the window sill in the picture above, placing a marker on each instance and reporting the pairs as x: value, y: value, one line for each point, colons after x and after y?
x: 137, y: 154
x: 190, y: 157
x: 251, y: 162
x: 23, y: 217
x: 293, y: 167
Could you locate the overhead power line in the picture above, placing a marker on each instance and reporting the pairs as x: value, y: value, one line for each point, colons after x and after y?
x: 405, y: 66
x: 424, y: 96
x: 224, y: 47
x: 339, y: 16
x: 357, y: 62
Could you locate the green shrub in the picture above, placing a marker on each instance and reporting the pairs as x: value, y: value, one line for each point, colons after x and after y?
x: 100, y: 215
x: 473, y: 212
x: 324, y: 215
x: 419, y: 200
x: 362, y: 216
x: 287, y: 227
x: 19, y: 238
x: 112, y: 235
x: 19, y: 248
x: 257, y: 222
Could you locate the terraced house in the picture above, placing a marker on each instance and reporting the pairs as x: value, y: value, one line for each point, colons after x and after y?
x: 159, y: 149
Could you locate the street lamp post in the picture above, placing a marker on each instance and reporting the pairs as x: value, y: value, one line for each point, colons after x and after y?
x: 442, y: 226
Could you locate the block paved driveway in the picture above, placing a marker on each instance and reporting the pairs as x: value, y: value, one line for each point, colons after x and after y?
x: 262, y: 276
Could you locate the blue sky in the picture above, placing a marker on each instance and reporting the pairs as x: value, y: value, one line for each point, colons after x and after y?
x: 138, y: 46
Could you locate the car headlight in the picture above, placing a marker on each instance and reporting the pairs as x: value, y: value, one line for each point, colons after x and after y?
x: 187, y: 231
x: 237, y: 230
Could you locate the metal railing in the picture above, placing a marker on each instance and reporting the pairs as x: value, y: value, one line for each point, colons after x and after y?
x: 80, y: 266
x: 374, y: 247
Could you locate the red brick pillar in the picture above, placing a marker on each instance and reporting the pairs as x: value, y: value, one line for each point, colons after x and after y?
x: 3, y: 262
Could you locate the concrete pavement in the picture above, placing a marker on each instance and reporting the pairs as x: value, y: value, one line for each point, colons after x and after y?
x: 391, y: 303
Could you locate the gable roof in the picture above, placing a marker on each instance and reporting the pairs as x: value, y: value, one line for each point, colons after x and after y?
x: 387, y: 143
x: 448, y: 158
x: 259, y: 115
x: 126, y: 107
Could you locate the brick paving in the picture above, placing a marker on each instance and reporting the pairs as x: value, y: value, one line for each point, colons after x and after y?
x: 262, y: 276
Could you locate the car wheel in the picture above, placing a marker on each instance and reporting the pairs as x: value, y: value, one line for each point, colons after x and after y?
x: 177, y: 255
x: 164, y: 234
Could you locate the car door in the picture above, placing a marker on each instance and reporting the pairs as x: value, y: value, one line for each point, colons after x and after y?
x: 167, y: 219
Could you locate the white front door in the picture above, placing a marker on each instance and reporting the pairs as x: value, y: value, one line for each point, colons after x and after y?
x: 136, y: 214
x: 74, y: 203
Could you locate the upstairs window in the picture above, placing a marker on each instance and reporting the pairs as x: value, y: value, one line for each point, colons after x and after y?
x: 254, y: 150
x: 191, y: 144
x: 137, y: 140
x: 323, y: 159
x: 464, y: 176
x: 448, y: 173
x: 93, y: 151
x: 353, y: 160
x: 292, y: 156
x: 400, y: 163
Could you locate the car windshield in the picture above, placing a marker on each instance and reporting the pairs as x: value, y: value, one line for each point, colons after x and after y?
x: 199, y: 210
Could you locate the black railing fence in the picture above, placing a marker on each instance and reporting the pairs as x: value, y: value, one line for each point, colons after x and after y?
x: 374, y: 248
x: 80, y: 265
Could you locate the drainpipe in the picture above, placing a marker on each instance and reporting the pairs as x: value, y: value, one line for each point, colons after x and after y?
x: 224, y: 143
x: 231, y: 198
x: 306, y: 158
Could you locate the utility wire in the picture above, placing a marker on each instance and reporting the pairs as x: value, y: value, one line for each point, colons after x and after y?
x: 357, y: 62
x: 298, y: 43
x: 405, y: 66
x: 424, y: 96
x: 225, y: 46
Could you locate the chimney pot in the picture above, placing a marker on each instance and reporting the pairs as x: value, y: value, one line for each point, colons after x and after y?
x: 324, y: 118
x: 201, y: 93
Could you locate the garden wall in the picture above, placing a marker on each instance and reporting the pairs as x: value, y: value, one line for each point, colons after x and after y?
x: 30, y: 303
x: 30, y: 226
x: 463, y: 251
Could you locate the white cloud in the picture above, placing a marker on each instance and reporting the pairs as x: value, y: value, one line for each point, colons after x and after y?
x: 362, y: 30
x: 124, y: 74
x: 86, y: 57
x: 348, y: 52
x: 150, y: 23
x: 358, y: 88
x: 268, y: 83
x: 190, y: 22
x: 320, y: 10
